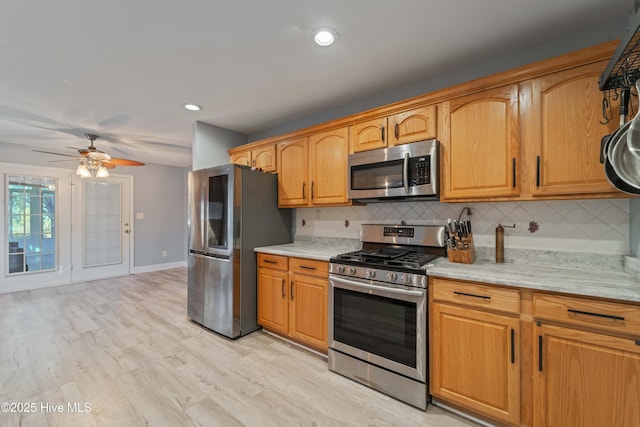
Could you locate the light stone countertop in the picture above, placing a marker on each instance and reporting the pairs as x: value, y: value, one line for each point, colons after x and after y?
x: 580, y: 274
x: 318, y: 249
x: 576, y: 280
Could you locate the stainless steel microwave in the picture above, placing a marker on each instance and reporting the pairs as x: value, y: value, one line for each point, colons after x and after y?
x: 407, y: 171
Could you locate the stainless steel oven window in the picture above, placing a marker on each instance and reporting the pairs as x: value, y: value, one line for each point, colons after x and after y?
x: 382, y: 325
x: 377, y: 325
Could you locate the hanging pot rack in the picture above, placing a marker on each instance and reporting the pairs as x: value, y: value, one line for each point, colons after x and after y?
x: 623, y: 69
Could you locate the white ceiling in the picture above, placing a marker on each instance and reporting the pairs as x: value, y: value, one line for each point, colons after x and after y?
x: 123, y: 69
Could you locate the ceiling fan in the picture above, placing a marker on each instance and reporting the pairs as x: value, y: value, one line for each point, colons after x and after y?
x: 93, y: 162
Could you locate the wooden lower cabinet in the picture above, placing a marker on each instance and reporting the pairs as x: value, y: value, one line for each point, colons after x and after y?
x: 273, y: 309
x: 586, y: 379
x: 293, y: 298
x: 474, y: 362
x: 308, y: 309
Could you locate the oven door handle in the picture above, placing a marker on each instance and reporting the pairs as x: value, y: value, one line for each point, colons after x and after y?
x: 359, y: 286
x: 405, y: 172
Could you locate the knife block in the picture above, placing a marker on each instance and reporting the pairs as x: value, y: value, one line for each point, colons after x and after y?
x: 464, y: 252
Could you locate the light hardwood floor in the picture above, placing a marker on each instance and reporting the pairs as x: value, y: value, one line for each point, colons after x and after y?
x: 126, y: 348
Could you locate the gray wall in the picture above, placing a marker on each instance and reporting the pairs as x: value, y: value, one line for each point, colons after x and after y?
x: 210, y: 144
x: 598, y: 34
x: 159, y: 192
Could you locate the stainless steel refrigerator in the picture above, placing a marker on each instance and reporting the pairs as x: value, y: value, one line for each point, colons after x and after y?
x: 232, y: 209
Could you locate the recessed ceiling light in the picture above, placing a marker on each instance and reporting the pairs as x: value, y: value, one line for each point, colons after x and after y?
x: 192, y: 107
x: 324, y: 36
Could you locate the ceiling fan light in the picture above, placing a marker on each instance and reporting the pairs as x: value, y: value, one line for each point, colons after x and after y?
x: 102, y: 172
x: 83, y: 171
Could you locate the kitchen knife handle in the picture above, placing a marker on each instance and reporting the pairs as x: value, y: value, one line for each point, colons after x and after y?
x: 382, y: 133
x: 513, y: 172
x: 537, y: 171
x: 292, y: 290
x: 395, y: 130
x: 304, y: 184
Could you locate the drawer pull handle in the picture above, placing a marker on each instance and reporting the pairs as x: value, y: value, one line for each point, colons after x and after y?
x: 464, y: 294
x: 587, y: 313
x: 269, y: 261
x: 307, y: 267
x: 513, y: 346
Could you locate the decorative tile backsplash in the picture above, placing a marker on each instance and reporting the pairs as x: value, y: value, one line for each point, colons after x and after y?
x: 599, y: 226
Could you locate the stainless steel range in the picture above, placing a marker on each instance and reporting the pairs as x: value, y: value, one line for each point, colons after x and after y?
x: 378, y: 309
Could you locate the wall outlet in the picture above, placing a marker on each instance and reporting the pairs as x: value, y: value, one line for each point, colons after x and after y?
x: 164, y: 253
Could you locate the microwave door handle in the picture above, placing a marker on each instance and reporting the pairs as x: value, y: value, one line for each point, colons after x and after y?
x: 405, y: 172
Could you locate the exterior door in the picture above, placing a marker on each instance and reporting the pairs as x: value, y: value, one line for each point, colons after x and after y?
x: 101, y: 228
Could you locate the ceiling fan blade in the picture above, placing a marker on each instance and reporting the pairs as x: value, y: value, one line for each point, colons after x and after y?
x: 65, y: 160
x: 57, y: 154
x: 108, y: 165
x: 125, y: 162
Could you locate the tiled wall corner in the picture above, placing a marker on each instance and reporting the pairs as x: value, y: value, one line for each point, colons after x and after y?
x: 598, y: 226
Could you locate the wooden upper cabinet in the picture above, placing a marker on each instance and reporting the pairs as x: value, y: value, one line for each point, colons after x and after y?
x: 480, y: 145
x: 413, y: 125
x: 328, y: 157
x: 313, y: 170
x: 405, y: 127
x: 368, y: 135
x: 263, y: 157
x: 562, y: 132
x: 293, y: 185
x: 243, y: 158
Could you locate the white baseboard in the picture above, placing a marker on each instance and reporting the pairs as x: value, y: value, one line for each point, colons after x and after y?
x: 158, y: 267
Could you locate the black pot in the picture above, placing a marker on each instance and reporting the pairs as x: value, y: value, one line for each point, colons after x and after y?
x: 612, y: 154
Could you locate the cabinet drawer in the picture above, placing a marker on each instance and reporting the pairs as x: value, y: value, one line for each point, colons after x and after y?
x: 604, y: 315
x: 476, y: 295
x: 309, y: 266
x: 277, y: 262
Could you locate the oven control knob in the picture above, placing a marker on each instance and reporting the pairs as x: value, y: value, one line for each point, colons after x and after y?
x: 404, y: 278
x: 392, y: 276
x: 371, y: 274
x: 341, y: 269
x: 352, y: 271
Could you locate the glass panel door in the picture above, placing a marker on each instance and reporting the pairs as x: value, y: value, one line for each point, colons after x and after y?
x: 101, y: 227
x: 31, y: 224
x: 102, y: 219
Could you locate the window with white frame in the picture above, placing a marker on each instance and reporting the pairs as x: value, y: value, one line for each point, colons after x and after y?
x: 31, y: 224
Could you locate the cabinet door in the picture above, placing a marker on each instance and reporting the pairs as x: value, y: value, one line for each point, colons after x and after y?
x: 309, y: 310
x: 413, y: 125
x: 328, y: 154
x: 273, y: 306
x: 293, y: 161
x: 264, y: 158
x: 564, y: 131
x: 474, y: 361
x: 368, y: 135
x: 243, y: 158
x: 480, y: 144
x: 585, y: 379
